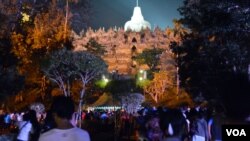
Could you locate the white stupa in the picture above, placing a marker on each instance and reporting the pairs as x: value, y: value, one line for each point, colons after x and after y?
x: 137, y: 22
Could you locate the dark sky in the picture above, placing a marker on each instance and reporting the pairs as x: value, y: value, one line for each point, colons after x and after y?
x: 110, y: 13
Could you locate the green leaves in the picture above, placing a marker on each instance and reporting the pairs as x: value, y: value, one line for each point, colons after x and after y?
x: 150, y: 57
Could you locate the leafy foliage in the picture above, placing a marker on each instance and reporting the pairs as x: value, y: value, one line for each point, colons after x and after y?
x: 171, y: 100
x: 59, y: 69
x: 157, y: 88
x: 80, y: 12
x: 48, y: 30
x: 88, y: 66
x: 132, y: 102
x: 95, y: 48
x: 217, y: 46
x: 77, y: 13
x: 10, y: 80
x: 29, y: 31
x: 65, y: 65
x: 150, y: 57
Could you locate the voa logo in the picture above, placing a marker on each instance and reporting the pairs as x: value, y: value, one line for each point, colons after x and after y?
x: 236, y: 132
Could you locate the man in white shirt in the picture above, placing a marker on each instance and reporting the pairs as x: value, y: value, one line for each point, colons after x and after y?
x: 62, y: 110
x: 25, y: 128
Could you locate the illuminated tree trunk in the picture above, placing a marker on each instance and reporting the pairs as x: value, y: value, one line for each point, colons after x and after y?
x: 158, y: 86
x: 57, y: 78
x: 81, y: 103
x: 66, y: 20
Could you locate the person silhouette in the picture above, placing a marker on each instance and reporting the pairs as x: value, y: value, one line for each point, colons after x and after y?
x: 62, y: 110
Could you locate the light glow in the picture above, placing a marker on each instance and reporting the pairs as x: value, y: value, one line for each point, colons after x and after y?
x: 137, y: 22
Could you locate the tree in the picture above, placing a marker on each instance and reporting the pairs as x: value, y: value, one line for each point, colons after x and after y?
x: 217, y: 48
x: 5, y: 24
x: 81, y: 14
x: 59, y: 69
x: 151, y: 58
x: 45, y: 34
x: 48, y: 31
x: 29, y: 31
x: 66, y: 18
x: 158, y: 86
x: 76, y: 14
x: 95, y: 48
x: 11, y: 82
x: 66, y: 65
x: 88, y: 67
x: 218, y: 40
x: 35, y: 38
x: 176, y: 33
x: 132, y: 102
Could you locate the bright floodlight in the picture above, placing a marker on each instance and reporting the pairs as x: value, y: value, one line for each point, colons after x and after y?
x: 106, y: 80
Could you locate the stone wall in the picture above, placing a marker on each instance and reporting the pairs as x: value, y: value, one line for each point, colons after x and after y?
x: 122, y: 46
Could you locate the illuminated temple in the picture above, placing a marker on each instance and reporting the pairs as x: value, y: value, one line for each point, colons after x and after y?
x: 123, y: 44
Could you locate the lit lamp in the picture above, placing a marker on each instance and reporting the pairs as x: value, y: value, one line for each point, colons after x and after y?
x: 140, y: 78
x: 105, y: 79
x: 143, y: 74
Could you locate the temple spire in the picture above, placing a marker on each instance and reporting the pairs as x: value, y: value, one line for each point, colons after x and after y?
x: 137, y: 22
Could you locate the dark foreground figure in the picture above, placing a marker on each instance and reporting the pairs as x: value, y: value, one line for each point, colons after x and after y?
x: 62, y: 110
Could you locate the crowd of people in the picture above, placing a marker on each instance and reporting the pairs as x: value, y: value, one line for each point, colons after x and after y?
x: 182, y: 124
x: 149, y: 124
x: 57, y: 125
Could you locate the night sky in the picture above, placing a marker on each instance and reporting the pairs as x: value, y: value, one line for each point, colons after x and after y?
x: 110, y: 13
